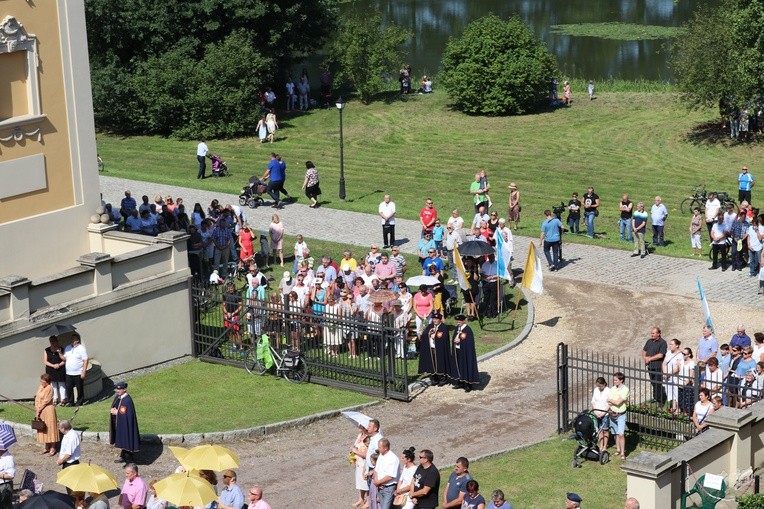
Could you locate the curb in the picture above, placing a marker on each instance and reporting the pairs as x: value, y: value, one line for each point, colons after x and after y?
x: 207, y: 437
x: 520, y: 337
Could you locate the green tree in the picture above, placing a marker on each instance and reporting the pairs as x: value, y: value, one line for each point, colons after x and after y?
x: 367, y: 54
x: 719, y: 55
x: 170, y: 66
x: 497, y: 67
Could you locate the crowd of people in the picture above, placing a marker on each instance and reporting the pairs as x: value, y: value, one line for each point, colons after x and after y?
x: 410, y: 479
x: 730, y: 374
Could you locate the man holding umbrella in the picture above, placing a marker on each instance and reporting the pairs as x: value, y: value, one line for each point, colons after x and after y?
x: 434, y: 350
x: 123, y: 425
x: 464, y: 368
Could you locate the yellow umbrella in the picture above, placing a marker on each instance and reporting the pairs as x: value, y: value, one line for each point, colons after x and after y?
x: 90, y: 478
x: 185, y: 490
x: 209, y: 457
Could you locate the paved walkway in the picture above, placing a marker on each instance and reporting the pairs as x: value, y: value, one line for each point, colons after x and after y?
x: 584, y: 262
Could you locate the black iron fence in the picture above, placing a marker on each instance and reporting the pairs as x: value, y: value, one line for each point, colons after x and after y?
x: 341, y: 350
x: 660, y: 406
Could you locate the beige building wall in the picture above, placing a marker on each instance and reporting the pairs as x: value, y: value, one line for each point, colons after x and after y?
x: 48, y: 174
x: 128, y: 295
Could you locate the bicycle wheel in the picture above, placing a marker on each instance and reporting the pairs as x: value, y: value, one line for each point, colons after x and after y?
x: 252, y: 364
x: 298, y: 374
x: 688, y: 204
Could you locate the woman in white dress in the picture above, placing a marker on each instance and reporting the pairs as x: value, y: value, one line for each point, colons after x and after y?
x: 672, y: 364
x: 332, y: 329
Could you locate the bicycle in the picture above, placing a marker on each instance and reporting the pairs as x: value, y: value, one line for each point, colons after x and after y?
x: 289, y: 363
x: 696, y: 199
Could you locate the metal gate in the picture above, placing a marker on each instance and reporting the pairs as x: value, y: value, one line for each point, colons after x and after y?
x: 577, y: 371
x: 341, y: 351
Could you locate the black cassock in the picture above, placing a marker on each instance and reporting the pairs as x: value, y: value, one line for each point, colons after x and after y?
x: 123, y: 427
x: 464, y: 367
x: 435, y: 350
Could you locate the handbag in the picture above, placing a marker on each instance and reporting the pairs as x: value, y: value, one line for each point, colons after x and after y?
x: 400, y: 499
x: 39, y: 425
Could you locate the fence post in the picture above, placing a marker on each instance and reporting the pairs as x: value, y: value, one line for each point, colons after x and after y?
x: 696, y: 383
x: 562, y: 387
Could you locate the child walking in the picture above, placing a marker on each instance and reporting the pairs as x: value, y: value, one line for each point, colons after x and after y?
x: 695, y: 226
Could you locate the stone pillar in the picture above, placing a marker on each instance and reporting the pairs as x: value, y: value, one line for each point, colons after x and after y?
x: 739, y: 422
x: 648, y: 479
x: 179, y: 248
x: 101, y: 265
x: 18, y: 287
x: 95, y: 234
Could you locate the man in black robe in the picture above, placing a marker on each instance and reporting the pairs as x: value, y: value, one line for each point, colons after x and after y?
x: 123, y: 425
x: 435, y: 350
x: 464, y: 368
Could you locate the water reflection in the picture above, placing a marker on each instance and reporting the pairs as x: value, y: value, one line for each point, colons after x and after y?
x: 433, y: 21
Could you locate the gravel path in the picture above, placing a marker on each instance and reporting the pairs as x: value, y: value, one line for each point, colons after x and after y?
x: 602, y: 299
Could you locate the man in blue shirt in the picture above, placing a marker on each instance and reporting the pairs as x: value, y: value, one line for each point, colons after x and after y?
x: 231, y: 496
x: 127, y: 206
x: 551, y: 229
x: 740, y: 339
x: 746, y: 182
x: 276, y: 176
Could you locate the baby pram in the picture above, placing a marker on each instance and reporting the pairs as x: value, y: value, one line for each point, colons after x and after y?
x: 251, y: 193
x: 219, y: 167
x: 450, y: 298
x: 587, y: 428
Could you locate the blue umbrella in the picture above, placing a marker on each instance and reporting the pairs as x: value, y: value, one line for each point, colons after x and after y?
x: 7, y: 436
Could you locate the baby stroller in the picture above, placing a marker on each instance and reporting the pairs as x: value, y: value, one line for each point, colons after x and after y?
x: 219, y: 167
x: 587, y: 428
x: 251, y: 193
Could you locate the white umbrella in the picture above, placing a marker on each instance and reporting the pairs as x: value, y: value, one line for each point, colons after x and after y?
x: 422, y: 280
x: 358, y: 418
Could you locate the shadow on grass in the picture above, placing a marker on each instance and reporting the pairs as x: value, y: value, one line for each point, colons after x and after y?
x: 709, y: 133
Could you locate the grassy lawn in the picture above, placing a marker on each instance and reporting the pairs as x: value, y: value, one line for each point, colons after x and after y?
x: 641, y: 143
x: 206, y: 406
x: 539, y: 476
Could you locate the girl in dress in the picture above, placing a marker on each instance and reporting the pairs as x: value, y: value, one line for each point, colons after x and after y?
x: 276, y: 233
x: 262, y: 129
x: 271, y: 124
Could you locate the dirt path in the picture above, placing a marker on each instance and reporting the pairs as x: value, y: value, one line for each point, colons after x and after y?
x: 517, y: 406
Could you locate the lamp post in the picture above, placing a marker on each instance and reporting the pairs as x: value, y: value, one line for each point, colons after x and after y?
x: 341, y: 106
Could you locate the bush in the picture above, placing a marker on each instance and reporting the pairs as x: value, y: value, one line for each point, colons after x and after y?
x: 750, y: 501
x: 497, y: 67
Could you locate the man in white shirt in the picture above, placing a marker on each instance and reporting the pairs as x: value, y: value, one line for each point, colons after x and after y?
x: 479, y: 217
x: 76, y: 357
x: 712, y: 211
x: 374, y: 437
x: 658, y: 215
x: 7, y: 472
x: 201, y: 156
x: 386, y: 474
x: 387, y: 213
x: 70, y: 445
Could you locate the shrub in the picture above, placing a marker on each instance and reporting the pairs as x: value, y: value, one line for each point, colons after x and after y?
x: 497, y: 67
x: 750, y: 501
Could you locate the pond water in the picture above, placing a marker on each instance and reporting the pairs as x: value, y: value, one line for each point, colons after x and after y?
x: 432, y: 22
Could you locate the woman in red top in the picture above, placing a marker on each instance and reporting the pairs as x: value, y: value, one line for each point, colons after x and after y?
x: 423, y: 306
x: 246, y: 236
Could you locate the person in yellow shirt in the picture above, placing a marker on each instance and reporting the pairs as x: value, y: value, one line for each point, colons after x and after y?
x: 618, y: 398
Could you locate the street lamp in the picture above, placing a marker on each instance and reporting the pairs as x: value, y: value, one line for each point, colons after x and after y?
x: 341, y: 106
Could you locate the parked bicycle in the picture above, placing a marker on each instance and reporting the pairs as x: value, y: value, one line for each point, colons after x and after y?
x: 698, y: 199
x: 288, y: 363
